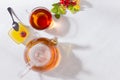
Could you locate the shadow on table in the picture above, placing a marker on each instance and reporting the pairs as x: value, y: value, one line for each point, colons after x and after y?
x: 85, y: 4
x: 70, y: 66
x: 64, y: 27
x: 60, y: 27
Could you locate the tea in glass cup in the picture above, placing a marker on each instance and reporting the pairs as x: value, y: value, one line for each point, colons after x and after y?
x: 40, y: 18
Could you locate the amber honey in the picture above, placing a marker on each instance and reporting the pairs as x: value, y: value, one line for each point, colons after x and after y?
x: 40, y: 18
x: 45, y: 52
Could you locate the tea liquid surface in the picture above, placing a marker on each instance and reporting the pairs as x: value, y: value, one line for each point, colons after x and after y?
x: 40, y: 19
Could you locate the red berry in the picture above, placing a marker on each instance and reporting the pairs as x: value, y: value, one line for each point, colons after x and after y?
x: 61, y: 1
x: 23, y: 34
x: 67, y: 2
x: 73, y: 3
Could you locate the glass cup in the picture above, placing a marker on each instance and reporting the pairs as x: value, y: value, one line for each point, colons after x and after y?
x: 40, y: 18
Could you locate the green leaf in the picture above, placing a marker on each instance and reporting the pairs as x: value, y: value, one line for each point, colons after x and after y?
x: 55, y: 4
x: 57, y: 16
x: 73, y: 11
x: 76, y: 7
x: 62, y: 10
x: 58, y: 9
x: 54, y: 10
x: 70, y: 7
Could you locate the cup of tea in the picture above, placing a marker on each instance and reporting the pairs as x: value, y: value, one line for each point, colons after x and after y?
x: 40, y: 18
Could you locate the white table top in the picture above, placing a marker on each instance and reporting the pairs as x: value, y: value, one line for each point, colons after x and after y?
x: 92, y: 34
